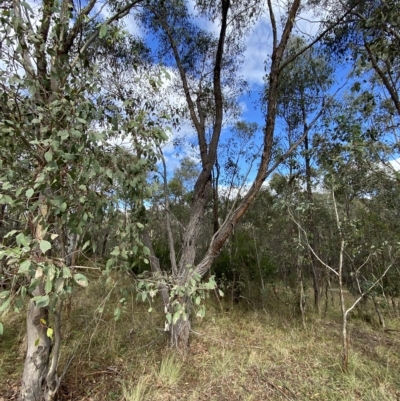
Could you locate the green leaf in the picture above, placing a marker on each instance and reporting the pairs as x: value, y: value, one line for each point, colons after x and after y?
x: 177, y: 314
x: 63, y: 134
x: 59, y: 285
x: 168, y: 316
x: 36, y: 342
x: 66, y: 272
x: 117, y: 313
x: 24, y: 266
x: 115, y: 252
x: 1, y: 329
x: 5, y: 199
x: 10, y: 234
x: 41, y: 301
x: 103, y: 31
x: 4, y: 294
x: 201, y: 312
x: 21, y: 240
x: 81, y: 280
x: 48, y: 156
x: 44, y: 246
x: 4, y: 306
x: 48, y: 286
x: 29, y: 193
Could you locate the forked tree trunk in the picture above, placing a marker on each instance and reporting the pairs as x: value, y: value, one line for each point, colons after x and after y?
x: 208, y: 154
x: 37, y: 355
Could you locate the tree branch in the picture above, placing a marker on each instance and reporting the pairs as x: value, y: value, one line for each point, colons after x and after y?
x: 319, y: 37
x: 117, y: 16
x: 393, y: 93
x: 172, y: 255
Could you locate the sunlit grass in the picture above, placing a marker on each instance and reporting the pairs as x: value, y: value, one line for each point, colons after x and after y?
x: 170, y: 370
x: 136, y: 392
x: 240, y: 354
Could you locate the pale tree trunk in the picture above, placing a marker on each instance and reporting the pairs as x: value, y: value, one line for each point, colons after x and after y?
x: 37, y: 319
x: 37, y: 355
x: 344, y: 310
x: 39, y: 378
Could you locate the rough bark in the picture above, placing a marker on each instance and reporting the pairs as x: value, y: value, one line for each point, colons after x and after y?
x: 37, y: 355
x: 379, y: 313
x: 180, y: 332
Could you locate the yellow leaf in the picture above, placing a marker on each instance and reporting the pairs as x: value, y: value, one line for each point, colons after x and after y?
x: 50, y: 332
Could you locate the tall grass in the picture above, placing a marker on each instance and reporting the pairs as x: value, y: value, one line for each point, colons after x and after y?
x: 240, y: 354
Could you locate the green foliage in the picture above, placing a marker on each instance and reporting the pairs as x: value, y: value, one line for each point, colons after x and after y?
x: 61, y: 179
x: 182, y: 297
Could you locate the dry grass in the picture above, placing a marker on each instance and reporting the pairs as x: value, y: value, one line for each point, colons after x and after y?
x: 242, y: 354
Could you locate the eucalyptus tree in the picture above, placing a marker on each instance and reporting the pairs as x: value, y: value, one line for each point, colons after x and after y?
x: 205, y: 64
x: 58, y: 169
x: 370, y: 35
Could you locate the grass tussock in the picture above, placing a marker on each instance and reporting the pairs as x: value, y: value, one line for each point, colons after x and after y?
x: 240, y: 354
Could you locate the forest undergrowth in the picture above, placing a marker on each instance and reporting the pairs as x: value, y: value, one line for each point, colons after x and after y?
x: 241, y: 353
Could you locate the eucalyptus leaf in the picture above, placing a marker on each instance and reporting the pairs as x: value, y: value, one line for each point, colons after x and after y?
x: 44, y: 246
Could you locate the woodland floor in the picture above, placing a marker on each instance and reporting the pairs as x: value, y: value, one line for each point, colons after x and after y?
x: 239, y: 354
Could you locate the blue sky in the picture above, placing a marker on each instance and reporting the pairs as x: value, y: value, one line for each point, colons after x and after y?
x: 258, y: 48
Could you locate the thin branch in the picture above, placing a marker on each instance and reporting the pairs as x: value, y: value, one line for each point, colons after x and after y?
x: 273, y: 23
x: 368, y: 290
x: 172, y: 254
x: 27, y: 62
x: 120, y: 14
x: 393, y: 93
x: 309, y: 246
x: 319, y: 37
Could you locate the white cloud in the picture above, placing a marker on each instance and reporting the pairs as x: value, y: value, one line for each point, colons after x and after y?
x: 258, y: 47
x: 130, y: 22
x: 395, y: 163
x: 259, y: 43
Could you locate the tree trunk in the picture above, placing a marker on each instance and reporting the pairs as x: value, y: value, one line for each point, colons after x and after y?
x: 180, y: 330
x: 104, y: 247
x: 395, y: 307
x: 316, y: 285
x: 345, y: 344
x: 37, y: 355
x: 379, y: 313
x: 208, y: 152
